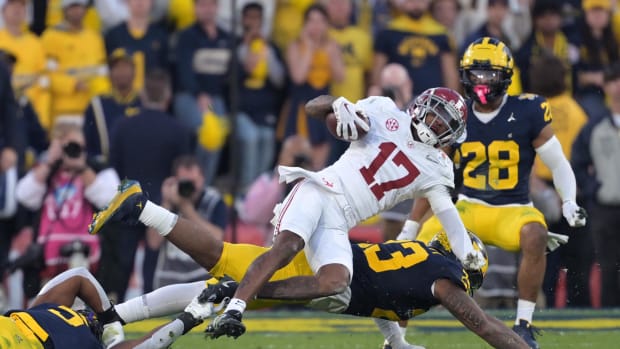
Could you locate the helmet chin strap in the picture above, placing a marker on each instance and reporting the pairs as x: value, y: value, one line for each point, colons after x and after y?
x: 426, y: 135
x: 481, y: 92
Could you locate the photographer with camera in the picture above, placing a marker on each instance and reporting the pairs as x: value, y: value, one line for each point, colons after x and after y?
x: 64, y: 189
x: 186, y: 194
x: 266, y: 191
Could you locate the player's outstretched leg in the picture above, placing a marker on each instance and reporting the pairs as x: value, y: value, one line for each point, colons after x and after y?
x: 125, y: 206
x: 131, y: 206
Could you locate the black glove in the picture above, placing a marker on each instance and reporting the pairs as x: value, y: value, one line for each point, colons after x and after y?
x: 229, y: 324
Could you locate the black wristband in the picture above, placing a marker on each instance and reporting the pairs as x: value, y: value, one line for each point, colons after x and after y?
x: 188, y: 321
x: 109, y: 316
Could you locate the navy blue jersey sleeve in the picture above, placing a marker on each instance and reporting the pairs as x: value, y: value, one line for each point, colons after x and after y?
x: 394, y: 280
x: 538, y: 112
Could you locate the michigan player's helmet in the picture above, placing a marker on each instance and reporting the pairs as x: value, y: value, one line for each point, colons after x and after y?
x: 438, y: 116
x: 96, y: 327
x: 486, y: 70
x: 442, y: 245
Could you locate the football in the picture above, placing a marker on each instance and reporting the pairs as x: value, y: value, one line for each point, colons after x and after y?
x: 331, y: 122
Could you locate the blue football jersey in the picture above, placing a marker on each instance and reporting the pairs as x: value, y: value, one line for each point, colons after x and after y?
x: 57, y: 326
x: 393, y: 280
x: 496, y: 158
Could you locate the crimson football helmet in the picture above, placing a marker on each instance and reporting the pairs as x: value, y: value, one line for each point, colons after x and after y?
x: 438, y: 116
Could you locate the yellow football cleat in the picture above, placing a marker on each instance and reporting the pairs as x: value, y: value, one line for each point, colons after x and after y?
x: 126, y: 205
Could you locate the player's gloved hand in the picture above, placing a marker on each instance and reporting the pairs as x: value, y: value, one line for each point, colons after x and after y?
x: 199, y: 310
x: 575, y: 215
x: 229, y: 324
x: 217, y: 292
x: 473, y: 260
x: 410, y: 230
x: 555, y: 240
x: 349, y: 118
x: 112, y: 334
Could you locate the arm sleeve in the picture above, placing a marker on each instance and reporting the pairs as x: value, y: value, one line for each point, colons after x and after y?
x: 563, y: 177
x: 184, y: 66
x: 443, y: 208
x: 103, y: 189
x: 29, y: 192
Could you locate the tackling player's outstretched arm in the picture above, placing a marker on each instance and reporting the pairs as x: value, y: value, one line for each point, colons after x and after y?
x: 320, y: 106
x: 465, y: 309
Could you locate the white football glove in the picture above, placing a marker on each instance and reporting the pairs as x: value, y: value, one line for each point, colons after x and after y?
x: 473, y: 260
x: 112, y: 334
x: 348, y: 119
x: 575, y: 215
x: 555, y: 240
x: 199, y: 311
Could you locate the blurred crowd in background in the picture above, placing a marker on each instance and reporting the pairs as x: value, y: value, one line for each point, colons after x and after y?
x: 199, y: 100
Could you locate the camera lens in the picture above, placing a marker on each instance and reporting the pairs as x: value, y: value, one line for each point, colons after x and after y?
x: 186, y: 188
x: 72, y: 149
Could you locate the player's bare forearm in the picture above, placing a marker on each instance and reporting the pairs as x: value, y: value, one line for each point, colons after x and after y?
x: 469, y: 313
x: 299, y: 288
x: 262, y: 269
x: 421, y: 210
x: 320, y: 106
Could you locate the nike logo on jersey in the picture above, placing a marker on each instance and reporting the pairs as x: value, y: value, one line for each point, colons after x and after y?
x: 327, y: 183
x: 431, y: 159
x: 512, y: 117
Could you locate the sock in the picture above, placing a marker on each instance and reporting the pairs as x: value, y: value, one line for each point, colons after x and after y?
x: 403, y: 330
x: 161, y: 302
x: 164, y: 337
x: 391, y: 332
x: 236, y: 304
x: 158, y: 218
x: 133, y: 310
x: 525, y: 310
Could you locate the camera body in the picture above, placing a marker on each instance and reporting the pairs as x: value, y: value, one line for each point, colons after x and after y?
x: 73, y: 150
x: 186, y: 188
x: 302, y: 160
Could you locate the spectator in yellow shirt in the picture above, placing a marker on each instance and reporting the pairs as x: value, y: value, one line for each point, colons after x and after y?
x: 356, y: 47
x: 29, y: 79
x: 55, y: 15
x: 76, y: 61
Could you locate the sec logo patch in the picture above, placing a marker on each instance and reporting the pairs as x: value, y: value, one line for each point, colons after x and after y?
x: 391, y: 124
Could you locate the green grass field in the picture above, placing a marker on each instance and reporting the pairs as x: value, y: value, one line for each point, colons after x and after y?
x: 565, y: 329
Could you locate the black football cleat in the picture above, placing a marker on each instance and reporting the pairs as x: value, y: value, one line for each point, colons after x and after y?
x: 526, y: 331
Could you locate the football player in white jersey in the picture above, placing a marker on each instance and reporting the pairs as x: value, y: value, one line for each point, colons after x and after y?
x: 399, y: 157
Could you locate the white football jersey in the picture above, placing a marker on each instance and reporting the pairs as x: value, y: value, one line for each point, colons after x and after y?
x: 387, y: 165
